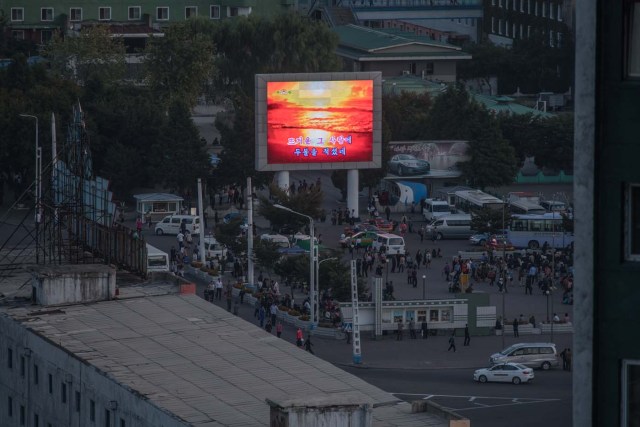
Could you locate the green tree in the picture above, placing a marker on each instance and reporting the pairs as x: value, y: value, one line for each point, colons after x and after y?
x: 179, y: 158
x: 336, y: 276
x: 266, y: 253
x: 179, y: 65
x: 294, y: 268
x: 227, y: 234
x: 289, y: 42
x: 90, y: 54
x: 237, y: 136
x: 305, y: 202
x: 455, y: 115
x: 522, y: 131
x: 554, y: 148
x: 406, y: 115
x: 488, y: 60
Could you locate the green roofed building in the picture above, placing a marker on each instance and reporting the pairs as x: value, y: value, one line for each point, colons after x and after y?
x: 397, y: 53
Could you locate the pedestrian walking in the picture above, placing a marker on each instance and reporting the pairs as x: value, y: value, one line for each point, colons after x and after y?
x: 467, y: 337
x: 515, y: 328
x: 308, y: 344
x: 268, y: 326
x: 452, y: 342
x: 229, y: 295
x: 236, y: 307
x: 412, y: 329
x: 425, y: 330
x: 279, y: 329
x: 261, y: 314
x: 299, y: 338
x: 347, y: 332
x: 400, y: 326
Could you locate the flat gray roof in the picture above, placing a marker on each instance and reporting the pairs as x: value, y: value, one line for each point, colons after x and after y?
x: 223, y: 366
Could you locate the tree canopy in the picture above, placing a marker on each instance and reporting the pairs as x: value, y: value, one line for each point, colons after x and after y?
x: 306, y: 202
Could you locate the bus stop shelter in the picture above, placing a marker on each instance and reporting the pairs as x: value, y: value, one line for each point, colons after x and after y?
x: 158, y: 205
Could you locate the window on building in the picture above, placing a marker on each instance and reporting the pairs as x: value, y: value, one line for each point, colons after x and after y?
x: 10, y: 406
x: 529, y: 7
x: 92, y: 410
x: 122, y: 423
x: 535, y: 8
x: 233, y: 11
x: 499, y: 3
x: 162, y: 13
x: 559, y: 39
x: 17, y: 34
x: 190, y: 12
x: 50, y: 384
x: 552, y: 14
x: 75, y: 14
x: 36, y: 420
x: 107, y: 418
x: 506, y: 28
x: 544, y: 9
x: 552, y: 40
x: 63, y: 392
x: 46, y: 14
x: 214, y: 12
x: 514, y: 31
x: 46, y: 36
x: 521, y: 31
x: 104, y: 13
x: 17, y: 14
x: 528, y: 31
x: 22, y: 415
x: 493, y: 24
x: 499, y: 26
x: 559, y: 14
x: 522, y: 5
x: 135, y: 13
x: 77, y: 401
x: 515, y: 7
x: 10, y: 358
x: 429, y: 69
x: 493, y: 2
x: 23, y: 366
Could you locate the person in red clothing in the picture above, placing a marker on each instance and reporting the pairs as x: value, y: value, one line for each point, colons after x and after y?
x: 299, y: 338
x: 279, y: 329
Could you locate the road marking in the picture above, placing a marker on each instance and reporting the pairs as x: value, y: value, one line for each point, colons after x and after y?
x: 512, y: 401
x: 427, y: 397
x: 477, y: 397
x: 471, y: 399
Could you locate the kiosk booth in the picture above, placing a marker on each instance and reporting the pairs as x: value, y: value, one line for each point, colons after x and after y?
x: 158, y: 205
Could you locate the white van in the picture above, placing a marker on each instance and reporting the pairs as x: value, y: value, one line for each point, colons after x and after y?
x: 393, y: 243
x: 534, y: 355
x: 157, y: 260
x: 277, y: 239
x: 451, y: 227
x: 171, y: 224
x: 213, y: 248
x: 435, y: 208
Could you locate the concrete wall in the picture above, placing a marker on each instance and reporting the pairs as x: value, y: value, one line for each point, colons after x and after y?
x: 69, y: 373
x: 70, y: 284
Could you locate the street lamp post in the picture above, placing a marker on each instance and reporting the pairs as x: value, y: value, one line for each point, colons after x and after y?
x: 424, y: 287
x: 38, y: 186
x: 312, y: 262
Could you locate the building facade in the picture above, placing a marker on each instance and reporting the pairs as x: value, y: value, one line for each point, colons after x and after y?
x: 509, y: 20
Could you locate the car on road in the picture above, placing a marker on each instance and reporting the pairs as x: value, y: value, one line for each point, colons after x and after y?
x: 479, y: 239
x: 357, y: 228
x: 534, y: 355
x: 232, y: 216
x: 406, y: 164
x: 213, y: 248
x: 382, y: 224
x: 505, y: 372
x: 366, y: 239
x: 499, y: 242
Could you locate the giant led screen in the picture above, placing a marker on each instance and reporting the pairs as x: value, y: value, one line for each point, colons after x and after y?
x: 319, y: 122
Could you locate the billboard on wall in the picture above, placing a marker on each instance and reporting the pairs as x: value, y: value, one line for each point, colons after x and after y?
x: 318, y: 121
x: 405, y: 157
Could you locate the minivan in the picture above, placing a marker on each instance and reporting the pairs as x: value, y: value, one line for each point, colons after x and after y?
x: 533, y: 355
x: 451, y: 227
x: 393, y: 243
x: 171, y: 224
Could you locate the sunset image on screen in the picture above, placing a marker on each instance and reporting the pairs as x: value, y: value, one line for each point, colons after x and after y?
x: 320, y: 122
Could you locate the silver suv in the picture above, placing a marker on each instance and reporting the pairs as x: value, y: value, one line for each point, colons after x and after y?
x: 533, y: 355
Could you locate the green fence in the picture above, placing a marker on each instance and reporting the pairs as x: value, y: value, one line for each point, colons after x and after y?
x: 541, y: 178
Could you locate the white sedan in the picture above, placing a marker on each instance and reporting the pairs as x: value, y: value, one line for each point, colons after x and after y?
x: 505, y: 372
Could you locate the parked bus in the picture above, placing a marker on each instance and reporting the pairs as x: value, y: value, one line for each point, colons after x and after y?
x: 157, y: 260
x: 525, y: 207
x: 435, y: 208
x: 533, y: 231
x: 525, y: 203
x: 467, y: 200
